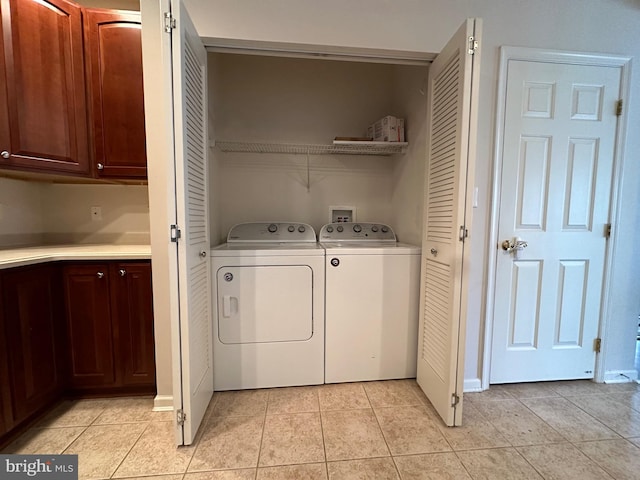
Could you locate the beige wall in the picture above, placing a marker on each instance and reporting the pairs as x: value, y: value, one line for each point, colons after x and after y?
x: 21, y: 215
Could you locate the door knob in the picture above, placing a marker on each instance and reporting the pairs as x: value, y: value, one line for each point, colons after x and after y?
x: 514, y: 245
x: 122, y: 272
x: 100, y: 274
x: 5, y: 154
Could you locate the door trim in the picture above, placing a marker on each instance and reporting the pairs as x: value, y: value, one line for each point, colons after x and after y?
x: 563, y: 57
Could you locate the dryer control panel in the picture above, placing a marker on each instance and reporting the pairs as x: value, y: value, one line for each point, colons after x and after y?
x: 357, y: 232
x: 281, y: 232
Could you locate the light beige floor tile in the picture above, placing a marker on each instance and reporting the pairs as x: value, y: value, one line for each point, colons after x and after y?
x: 352, y: 434
x: 630, y: 399
x: 241, y: 403
x: 621, y: 459
x: 369, y: 469
x: 101, y: 448
x: 476, y: 432
x: 229, y: 442
x: 155, y: 453
x: 156, y: 477
x: 517, y: 423
x: 495, y: 392
x: 577, y: 387
x: 239, y: 474
x: 310, y: 471
x: 128, y: 410
x: 44, y: 440
x: 618, y: 417
x: 74, y: 413
x: 497, y: 464
x: 410, y: 430
x: 568, y: 420
x: 531, y: 390
x: 293, y: 400
x: 290, y: 439
x: 342, y: 396
x: 635, y: 441
x: 391, y: 393
x: 562, y: 462
x: 433, y: 466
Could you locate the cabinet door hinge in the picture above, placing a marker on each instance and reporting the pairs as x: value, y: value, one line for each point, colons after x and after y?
x: 169, y: 22
x: 464, y: 233
x: 473, y: 45
x: 597, y: 345
x: 181, y: 417
x: 455, y: 399
x: 619, y: 108
x: 175, y: 233
x: 607, y: 230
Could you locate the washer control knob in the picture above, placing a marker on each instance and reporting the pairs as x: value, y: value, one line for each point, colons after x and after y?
x: 291, y: 228
x: 357, y: 228
x: 301, y: 228
x: 273, y: 228
x: 340, y: 228
x: 385, y: 229
x: 374, y: 229
x: 335, y: 262
x: 330, y: 229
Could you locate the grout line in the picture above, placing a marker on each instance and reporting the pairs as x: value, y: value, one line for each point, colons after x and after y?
x: 128, y: 451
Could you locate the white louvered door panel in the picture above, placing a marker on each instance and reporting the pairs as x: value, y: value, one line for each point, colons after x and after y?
x: 190, y: 123
x: 450, y: 164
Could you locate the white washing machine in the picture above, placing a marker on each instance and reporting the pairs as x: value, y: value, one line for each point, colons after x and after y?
x: 371, y: 303
x: 268, y: 313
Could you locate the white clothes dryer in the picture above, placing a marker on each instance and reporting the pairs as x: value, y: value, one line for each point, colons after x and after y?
x: 371, y: 303
x: 268, y: 307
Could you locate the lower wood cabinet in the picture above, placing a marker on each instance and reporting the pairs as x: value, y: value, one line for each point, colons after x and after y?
x: 33, y: 334
x: 109, y: 316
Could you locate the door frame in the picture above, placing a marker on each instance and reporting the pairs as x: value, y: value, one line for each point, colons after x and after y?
x: 560, y: 57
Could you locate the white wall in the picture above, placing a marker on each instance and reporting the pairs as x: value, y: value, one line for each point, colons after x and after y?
x: 270, y: 99
x: 578, y: 25
x: 21, y: 219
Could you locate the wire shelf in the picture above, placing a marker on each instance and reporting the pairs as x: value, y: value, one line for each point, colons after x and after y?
x: 339, y: 147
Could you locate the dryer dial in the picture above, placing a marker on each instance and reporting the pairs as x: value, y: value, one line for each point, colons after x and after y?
x: 273, y: 228
x: 357, y: 228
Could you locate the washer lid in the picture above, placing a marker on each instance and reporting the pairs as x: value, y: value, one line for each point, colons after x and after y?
x: 357, y: 232
x: 272, y: 232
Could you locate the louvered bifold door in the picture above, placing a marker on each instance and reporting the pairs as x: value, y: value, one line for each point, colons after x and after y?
x: 442, y: 310
x: 190, y: 123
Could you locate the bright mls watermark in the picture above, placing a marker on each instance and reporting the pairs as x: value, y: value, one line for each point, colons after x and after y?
x: 51, y: 467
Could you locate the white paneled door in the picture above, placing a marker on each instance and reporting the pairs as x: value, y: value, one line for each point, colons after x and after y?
x: 193, y: 393
x: 452, y: 93
x: 557, y: 164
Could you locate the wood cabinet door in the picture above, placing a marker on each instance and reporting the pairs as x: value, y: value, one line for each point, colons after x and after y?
x: 88, y: 313
x: 5, y: 385
x: 132, y: 306
x: 113, y: 48
x: 32, y: 326
x: 43, y: 111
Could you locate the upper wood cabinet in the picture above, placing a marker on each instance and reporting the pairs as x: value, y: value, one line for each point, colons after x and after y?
x: 43, y: 111
x: 113, y: 51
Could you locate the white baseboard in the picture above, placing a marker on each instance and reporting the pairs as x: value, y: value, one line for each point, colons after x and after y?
x: 472, y: 385
x: 620, y: 376
x: 163, y: 403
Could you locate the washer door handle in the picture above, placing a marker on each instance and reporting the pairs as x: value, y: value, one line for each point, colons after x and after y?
x: 335, y: 262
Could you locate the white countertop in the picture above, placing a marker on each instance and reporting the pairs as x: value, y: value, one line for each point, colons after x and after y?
x: 17, y: 257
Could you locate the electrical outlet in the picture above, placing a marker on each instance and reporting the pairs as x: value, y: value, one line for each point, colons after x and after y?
x: 96, y: 214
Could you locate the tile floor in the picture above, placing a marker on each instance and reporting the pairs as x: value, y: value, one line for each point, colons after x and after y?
x: 376, y: 430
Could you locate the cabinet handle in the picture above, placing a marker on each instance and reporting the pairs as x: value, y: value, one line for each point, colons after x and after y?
x: 122, y: 272
x: 100, y: 166
x: 5, y: 154
x: 100, y: 274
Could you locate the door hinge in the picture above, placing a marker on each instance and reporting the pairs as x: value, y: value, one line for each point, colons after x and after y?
x: 455, y: 399
x: 169, y: 22
x: 464, y: 233
x: 607, y: 230
x: 181, y: 417
x: 597, y: 345
x: 175, y: 233
x: 619, y: 108
x: 473, y: 45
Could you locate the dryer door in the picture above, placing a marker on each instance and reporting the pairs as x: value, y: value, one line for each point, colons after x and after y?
x: 264, y: 304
